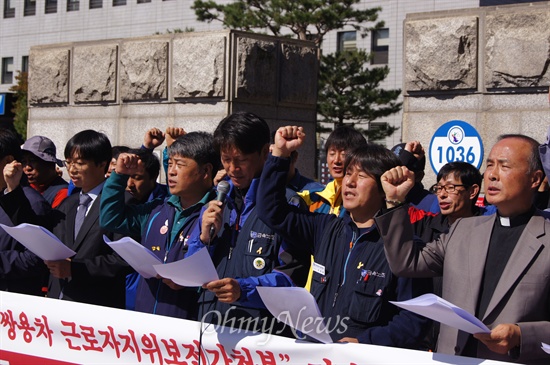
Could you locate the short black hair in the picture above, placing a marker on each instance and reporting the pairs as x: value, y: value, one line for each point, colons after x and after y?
x: 90, y: 145
x: 373, y: 159
x: 117, y: 150
x: 243, y: 130
x: 9, y: 144
x: 150, y: 161
x: 467, y: 173
x: 198, y: 146
x: 344, y: 138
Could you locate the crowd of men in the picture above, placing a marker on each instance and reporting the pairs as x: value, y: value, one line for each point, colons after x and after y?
x: 371, y: 236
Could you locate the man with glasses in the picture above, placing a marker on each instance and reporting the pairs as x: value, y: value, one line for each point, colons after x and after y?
x: 95, y: 275
x: 458, y: 186
x: 496, y: 267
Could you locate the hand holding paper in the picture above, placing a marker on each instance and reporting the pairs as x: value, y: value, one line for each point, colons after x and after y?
x: 503, y: 338
x: 438, y: 309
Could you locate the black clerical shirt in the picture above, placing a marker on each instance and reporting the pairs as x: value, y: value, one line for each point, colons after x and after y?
x: 503, y: 241
x: 505, y: 236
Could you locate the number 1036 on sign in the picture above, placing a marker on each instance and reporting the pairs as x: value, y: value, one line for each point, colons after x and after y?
x: 455, y: 141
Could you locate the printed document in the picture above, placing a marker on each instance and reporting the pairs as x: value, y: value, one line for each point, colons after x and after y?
x: 195, y: 270
x: 39, y: 241
x: 136, y: 255
x: 440, y: 310
x: 297, y: 308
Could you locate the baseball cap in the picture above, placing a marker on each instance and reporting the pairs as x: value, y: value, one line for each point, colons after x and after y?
x: 43, y: 148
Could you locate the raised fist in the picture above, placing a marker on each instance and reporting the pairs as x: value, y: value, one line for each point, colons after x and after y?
x: 287, y: 140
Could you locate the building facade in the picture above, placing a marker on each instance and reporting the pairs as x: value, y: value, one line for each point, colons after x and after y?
x: 27, y: 23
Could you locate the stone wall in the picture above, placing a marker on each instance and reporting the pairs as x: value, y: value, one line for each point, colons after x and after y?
x: 123, y: 87
x: 486, y: 66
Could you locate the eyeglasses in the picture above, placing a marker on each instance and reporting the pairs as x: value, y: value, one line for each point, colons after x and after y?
x: 27, y: 161
x: 76, y: 164
x: 449, y: 188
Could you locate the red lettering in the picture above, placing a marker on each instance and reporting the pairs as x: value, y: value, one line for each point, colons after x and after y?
x: 26, y: 327
x: 8, y: 321
x: 267, y: 357
x: 225, y: 358
x: 128, y: 342
x: 284, y: 357
x: 73, y: 333
x: 173, y: 352
x: 89, y: 337
x: 193, y: 353
x: 43, y: 329
x: 242, y: 359
x: 152, y: 347
x: 110, y: 340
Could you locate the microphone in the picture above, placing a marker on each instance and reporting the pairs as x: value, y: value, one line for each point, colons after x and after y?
x: 223, y: 190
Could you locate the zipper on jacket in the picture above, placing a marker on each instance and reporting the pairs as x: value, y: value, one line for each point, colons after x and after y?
x: 354, y: 240
x: 336, y: 295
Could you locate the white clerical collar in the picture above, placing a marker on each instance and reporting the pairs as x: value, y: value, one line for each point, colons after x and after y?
x: 504, y: 221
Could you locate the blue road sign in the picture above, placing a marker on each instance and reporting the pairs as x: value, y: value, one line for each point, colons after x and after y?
x: 455, y: 141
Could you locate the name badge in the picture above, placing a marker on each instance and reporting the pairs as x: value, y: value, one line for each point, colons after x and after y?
x: 318, y: 268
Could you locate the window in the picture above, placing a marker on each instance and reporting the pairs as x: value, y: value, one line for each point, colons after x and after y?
x: 143, y: 1
x: 119, y: 2
x: 9, y: 10
x: 73, y: 5
x: 380, y: 46
x: 96, y: 4
x: 51, y: 6
x: 30, y: 8
x: 25, y: 64
x: 347, y: 41
x: 7, y: 70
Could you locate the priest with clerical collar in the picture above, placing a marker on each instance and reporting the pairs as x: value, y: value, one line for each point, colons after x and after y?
x: 496, y: 266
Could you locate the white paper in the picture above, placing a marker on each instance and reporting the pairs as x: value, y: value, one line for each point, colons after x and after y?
x: 297, y: 308
x: 39, y: 241
x: 139, y: 257
x: 440, y: 310
x: 545, y: 347
x: 195, y: 270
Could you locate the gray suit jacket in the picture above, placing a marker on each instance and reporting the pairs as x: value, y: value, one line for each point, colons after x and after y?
x: 522, y: 295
